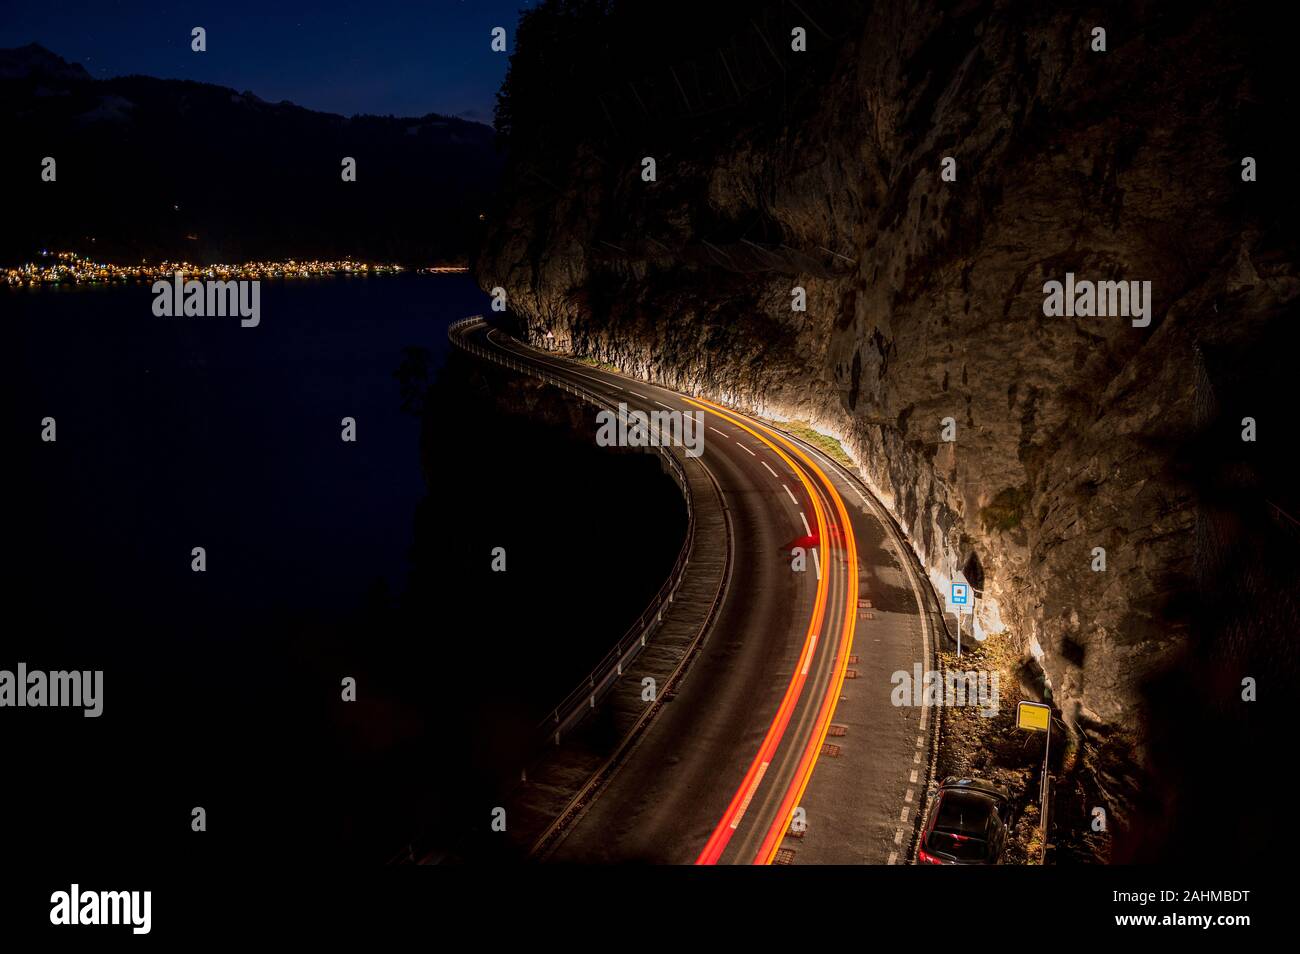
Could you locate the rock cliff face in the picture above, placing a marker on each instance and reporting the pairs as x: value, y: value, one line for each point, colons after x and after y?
x: 925, y: 297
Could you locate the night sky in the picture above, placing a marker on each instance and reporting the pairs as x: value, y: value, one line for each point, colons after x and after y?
x: 380, y: 56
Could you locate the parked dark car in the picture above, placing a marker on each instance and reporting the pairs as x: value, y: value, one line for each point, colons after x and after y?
x: 967, y: 825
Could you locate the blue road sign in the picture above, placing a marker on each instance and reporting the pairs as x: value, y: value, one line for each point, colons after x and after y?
x: 960, y: 594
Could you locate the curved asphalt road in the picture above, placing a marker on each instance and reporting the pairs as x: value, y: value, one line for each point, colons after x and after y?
x: 718, y: 775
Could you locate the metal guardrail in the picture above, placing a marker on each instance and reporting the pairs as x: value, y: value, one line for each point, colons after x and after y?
x: 606, y: 673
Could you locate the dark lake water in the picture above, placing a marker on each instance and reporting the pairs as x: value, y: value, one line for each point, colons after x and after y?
x: 325, y: 559
x: 175, y: 433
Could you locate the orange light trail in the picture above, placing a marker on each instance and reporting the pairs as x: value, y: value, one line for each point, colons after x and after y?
x: 808, y: 761
x: 726, y: 827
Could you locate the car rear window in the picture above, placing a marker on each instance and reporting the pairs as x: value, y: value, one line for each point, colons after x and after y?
x: 959, y: 847
x: 961, y: 825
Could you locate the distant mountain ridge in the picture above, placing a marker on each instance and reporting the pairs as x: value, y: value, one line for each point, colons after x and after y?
x: 153, y: 167
x: 35, y: 61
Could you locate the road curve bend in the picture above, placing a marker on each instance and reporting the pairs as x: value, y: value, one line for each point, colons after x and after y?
x: 782, y: 742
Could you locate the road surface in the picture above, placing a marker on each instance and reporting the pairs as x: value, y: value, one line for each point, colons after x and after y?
x: 781, y: 743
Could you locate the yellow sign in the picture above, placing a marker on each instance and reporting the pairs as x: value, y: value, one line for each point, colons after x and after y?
x: 1033, y: 716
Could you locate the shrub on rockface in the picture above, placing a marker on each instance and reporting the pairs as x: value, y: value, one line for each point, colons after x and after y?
x: 1005, y: 511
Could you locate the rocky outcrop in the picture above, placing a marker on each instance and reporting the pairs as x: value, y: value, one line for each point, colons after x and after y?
x: 925, y: 297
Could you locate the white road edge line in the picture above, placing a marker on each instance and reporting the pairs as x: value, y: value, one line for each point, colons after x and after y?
x: 881, y: 513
